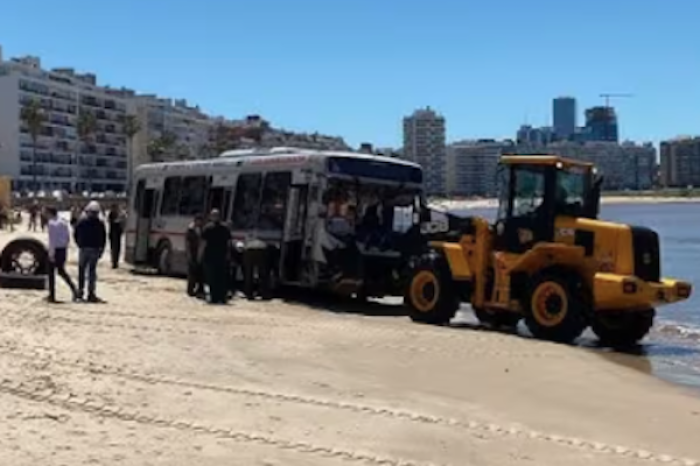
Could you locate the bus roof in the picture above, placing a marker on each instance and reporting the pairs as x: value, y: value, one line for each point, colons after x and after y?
x: 543, y: 160
x: 282, y: 154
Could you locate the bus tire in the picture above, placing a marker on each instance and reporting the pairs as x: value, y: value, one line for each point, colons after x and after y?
x: 163, y: 259
x: 9, y: 258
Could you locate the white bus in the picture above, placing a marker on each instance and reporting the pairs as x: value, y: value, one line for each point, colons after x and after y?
x: 337, y: 220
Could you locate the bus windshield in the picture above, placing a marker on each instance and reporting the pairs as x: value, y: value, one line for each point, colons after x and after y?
x: 377, y: 169
x: 367, y: 211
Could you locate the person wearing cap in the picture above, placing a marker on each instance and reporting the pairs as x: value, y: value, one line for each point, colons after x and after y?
x: 91, y: 237
x: 215, y: 256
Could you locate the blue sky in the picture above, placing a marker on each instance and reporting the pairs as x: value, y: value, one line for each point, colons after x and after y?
x: 356, y: 67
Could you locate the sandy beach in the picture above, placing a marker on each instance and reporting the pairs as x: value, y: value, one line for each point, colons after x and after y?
x: 466, y: 204
x: 155, y: 378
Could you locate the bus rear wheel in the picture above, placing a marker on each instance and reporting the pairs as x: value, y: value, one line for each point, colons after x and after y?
x: 431, y: 297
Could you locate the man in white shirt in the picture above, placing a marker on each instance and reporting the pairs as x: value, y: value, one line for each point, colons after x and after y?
x: 59, y: 239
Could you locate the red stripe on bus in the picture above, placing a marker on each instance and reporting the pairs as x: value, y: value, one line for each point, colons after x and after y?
x: 159, y: 232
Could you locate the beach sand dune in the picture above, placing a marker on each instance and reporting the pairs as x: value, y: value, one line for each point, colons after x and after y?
x: 153, y: 377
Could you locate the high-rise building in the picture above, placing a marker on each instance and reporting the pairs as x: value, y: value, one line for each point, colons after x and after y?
x: 472, y: 166
x: 601, y: 124
x: 424, y: 143
x: 680, y: 162
x: 564, y: 117
x: 61, y: 159
x: 623, y: 166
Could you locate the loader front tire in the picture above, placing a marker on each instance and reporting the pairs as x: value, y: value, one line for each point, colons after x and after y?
x: 431, y: 296
x: 622, y: 329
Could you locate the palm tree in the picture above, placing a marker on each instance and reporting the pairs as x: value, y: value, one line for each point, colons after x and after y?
x: 131, y: 126
x: 158, y: 147
x: 87, y: 126
x: 33, y: 117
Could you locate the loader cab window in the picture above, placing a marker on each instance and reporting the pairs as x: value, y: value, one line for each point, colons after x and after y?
x: 571, y: 191
x: 528, y: 191
x: 525, y: 214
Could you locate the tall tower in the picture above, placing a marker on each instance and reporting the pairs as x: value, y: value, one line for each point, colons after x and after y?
x: 564, y: 117
x: 424, y: 143
x: 601, y: 124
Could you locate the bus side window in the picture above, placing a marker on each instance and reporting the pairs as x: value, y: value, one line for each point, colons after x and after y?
x: 246, y: 201
x: 192, y: 196
x: 274, y: 200
x: 171, y: 196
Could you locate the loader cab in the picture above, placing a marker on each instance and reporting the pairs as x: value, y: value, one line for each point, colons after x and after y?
x: 534, y: 191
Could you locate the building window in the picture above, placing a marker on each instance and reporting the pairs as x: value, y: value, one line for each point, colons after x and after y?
x: 171, y: 196
x: 274, y: 198
x: 245, y: 205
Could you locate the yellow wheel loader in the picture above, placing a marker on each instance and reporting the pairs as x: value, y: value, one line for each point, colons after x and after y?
x: 547, y: 259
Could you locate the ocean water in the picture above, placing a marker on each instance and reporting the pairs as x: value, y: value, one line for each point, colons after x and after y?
x: 672, y: 349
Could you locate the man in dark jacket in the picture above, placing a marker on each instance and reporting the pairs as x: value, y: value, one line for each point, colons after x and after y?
x: 91, y: 237
x: 195, y: 279
x: 116, y: 230
x: 215, y: 255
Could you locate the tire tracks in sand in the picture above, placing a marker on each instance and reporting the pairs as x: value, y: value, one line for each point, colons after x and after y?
x: 378, y: 334
x: 385, y: 412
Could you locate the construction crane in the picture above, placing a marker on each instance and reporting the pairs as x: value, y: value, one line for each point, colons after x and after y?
x: 607, y: 97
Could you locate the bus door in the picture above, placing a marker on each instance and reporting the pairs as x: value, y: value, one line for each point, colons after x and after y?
x: 220, y: 194
x: 146, y: 199
x: 294, y: 234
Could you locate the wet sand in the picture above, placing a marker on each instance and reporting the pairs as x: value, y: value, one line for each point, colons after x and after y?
x: 153, y: 377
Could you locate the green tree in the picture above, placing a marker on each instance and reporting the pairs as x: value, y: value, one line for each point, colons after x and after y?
x: 160, y: 146
x: 33, y: 117
x: 131, y: 126
x: 86, y: 127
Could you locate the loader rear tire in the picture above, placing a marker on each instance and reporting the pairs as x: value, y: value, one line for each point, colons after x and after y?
x: 623, y: 329
x: 557, y: 307
x: 431, y: 296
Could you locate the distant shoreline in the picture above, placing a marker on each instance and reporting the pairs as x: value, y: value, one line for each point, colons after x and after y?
x: 463, y: 204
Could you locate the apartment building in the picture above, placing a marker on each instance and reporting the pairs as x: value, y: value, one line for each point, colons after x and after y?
x: 626, y: 166
x: 424, y: 143
x: 471, y: 167
x: 63, y: 161
x: 680, y: 162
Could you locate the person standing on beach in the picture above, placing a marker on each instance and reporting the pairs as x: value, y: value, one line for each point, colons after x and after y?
x: 215, y: 255
x: 59, y: 239
x: 195, y: 280
x: 33, y: 216
x: 116, y: 230
x: 256, y: 268
x: 91, y: 237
